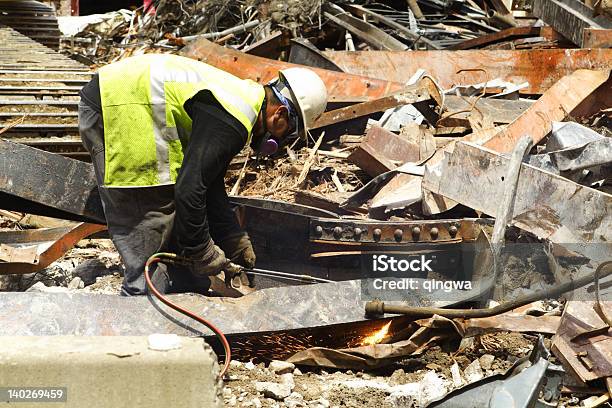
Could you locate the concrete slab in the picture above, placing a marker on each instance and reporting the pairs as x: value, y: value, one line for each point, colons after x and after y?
x: 112, y: 371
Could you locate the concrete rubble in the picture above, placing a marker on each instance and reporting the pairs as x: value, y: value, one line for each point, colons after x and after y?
x: 472, y: 137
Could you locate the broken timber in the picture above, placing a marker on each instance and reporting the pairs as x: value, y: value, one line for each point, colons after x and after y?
x: 541, y: 68
x: 546, y: 205
x: 341, y: 87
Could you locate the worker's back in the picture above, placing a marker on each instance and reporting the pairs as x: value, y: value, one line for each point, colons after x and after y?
x: 146, y: 126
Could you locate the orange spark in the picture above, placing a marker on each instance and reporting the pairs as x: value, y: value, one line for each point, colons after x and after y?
x: 376, y: 337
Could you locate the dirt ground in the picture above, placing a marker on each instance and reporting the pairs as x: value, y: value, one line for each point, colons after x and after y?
x: 410, y: 383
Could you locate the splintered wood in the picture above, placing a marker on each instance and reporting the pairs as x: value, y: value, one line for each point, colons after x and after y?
x: 309, y: 172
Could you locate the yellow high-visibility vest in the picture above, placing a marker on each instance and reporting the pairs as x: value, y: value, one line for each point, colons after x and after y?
x: 146, y: 127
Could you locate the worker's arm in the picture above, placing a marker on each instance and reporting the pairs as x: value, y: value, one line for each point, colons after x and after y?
x: 222, y: 220
x: 216, y: 137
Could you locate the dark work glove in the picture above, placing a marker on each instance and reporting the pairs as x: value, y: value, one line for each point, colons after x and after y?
x: 239, y: 249
x: 208, y: 262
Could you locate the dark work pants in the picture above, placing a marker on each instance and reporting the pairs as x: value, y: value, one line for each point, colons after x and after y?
x: 139, y: 221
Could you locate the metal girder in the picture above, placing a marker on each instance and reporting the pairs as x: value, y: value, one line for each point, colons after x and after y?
x: 582, y: 341
x: 268, y: 323
x: 381, y: 150
x: 561, y: 99
x: 48, y: 244
x: 420, y: 92
x: 341, y: 87
x: 510, y: 34
x: 364, y: 12
x: 32, y: 179
x: 384, y: 233
x: 499, y: 111
x: 541, y: 68
x: 597, y: 38
x: 569, y: 17
x: 546, y: 205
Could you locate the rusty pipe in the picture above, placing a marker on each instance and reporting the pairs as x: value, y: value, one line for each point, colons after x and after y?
x: 416, y: 10
x: 506, y: 20
x: 376, y: 308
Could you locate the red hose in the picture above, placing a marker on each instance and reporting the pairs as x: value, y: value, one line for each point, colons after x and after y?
x: 159, y: 257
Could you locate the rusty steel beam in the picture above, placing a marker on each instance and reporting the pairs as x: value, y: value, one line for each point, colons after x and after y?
x: 369, y: 33
x: 546, y: 205
x: 597, y: 38
x: 422, y: 91
x: 48, y: 245
x: 510, y: 34
x: 39, y: 182
x: 341, y: 87
x: 561, y: 99
x: 382, y: 150
x: 541, y: 68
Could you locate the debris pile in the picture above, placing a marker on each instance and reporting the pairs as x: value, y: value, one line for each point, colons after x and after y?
x: 473, y: 136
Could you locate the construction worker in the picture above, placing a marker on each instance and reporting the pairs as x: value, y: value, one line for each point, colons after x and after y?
x: 161, y: 131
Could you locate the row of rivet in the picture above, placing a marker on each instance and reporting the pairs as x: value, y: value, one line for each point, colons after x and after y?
x: 398, y: 234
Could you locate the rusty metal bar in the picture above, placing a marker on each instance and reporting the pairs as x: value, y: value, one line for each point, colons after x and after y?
x: 541, y: 68
x: 363, y: 12
x: 409, y: 95
x: 341, y: 87
x: 561, y: 99
x: 597, y: 38
x: 510, y: 34
x: 381, y: 150
x: 49, y: 244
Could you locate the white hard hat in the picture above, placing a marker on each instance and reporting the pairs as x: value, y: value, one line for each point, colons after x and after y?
x: 308, y: 94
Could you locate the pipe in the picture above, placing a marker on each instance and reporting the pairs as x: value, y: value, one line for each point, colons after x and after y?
x: 238, y: 29
x: 376, y: 308
x: 416, y: 10
x: 506, y: 20
x: 307, y: 278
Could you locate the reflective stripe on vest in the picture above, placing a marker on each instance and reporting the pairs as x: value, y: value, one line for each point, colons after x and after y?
x: 146, y: 127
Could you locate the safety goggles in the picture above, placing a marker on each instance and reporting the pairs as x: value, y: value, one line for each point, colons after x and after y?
x: 277, y: 87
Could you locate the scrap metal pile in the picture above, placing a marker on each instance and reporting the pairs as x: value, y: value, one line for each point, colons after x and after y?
x: 473, y: 132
